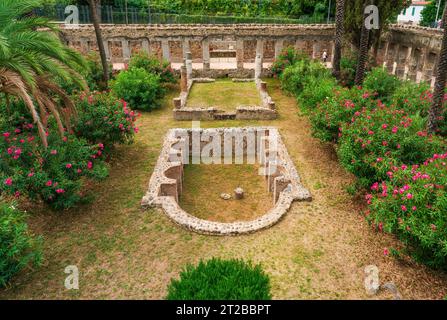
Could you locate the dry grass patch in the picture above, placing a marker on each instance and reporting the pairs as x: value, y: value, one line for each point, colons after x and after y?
x: 224, y: 95
x: 203, y: 184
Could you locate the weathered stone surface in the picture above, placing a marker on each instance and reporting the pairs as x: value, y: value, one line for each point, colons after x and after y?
x: 225, y: 196
x: 239, y: 193
x: 165, y: 183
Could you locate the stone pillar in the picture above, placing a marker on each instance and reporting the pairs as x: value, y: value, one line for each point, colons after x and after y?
x: 385, y: 56
x: 188, y: 63
x: 106, y: 49
x: 258, y: 67
x: 165, y: 50
x: 183, y: 79
x: 407, y: 62
x: 240, y: 54
x: 126, y: 50
x: 185, y: 47
x: 315, y: 50
x: 206, y: 54
x: 279, y: 44
x: 145, y: 46
x: 177, y: 103
x: 263, y: 86
x: 421, y: 74
x: 260, y: 48
x: 396, y: 58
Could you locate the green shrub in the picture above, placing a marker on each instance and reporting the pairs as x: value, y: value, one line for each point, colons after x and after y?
x: 378, y: 139
x: 348, y: 65
x: 18, y: 247
x: 154, y: 66
x: 139, y: 88
x: 218, y: 279
x: 413, y: 205
x: 104, y: 119
x: 297, y: 75
x: 316, y: 91
x: 379, y: 81
x: 288, y: 56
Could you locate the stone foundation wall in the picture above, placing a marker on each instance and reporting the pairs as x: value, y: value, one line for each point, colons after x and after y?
x: 184, y: 112
x: 261, y: 145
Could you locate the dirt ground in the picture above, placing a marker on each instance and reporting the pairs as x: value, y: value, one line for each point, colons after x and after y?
x: 318, y: 251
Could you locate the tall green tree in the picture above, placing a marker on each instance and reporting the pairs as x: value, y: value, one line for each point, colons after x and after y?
x: 31, y: 58
x: 441, y: 81
x: 428, y: 14
x: 339, y: 29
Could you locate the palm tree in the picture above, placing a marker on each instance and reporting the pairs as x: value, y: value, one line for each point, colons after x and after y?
x: 339, y: 29
x: 31, y: 57
x: 441, y: 80
x: 363, y: 54
x: 94, y: 5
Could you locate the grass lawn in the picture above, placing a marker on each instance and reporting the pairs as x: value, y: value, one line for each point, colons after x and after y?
x: 319, y: 250
x: 224, y: 95
x: 203, y: 184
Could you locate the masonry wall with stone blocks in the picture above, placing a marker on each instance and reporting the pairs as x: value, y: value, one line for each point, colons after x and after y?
x: 262, y: 145
x: 407, y: 51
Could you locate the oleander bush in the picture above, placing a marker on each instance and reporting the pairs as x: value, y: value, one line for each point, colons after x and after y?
x: 348, y: 65
x: 19, y: 249
x: 154, y: 66
x: 412, y: 203
x: 55, y: 174
x: 338, y: 109
x: 140, y: 89
x: 103, y: 119
x: 218, y: 279
x: 376, y: 140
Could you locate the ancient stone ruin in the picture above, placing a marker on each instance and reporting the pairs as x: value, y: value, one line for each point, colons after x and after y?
x: 230, y: 146
x: 183, y: 111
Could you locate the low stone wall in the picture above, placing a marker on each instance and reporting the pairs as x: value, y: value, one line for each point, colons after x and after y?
x: 261, y: 144
x: 266, y: 111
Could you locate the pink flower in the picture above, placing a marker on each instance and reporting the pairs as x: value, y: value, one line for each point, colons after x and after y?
x: 409, y: 196
x: 6, y: 134
x: 17, y: 194
x: 384, y: 126
x: 60, y: 191
x: 49, y: 183
x: 18, y: 152
x: 136, y: 130
x: 101, y: 146
x: 17, y: 130
x: 433, y: 227
x: 65, y: 139
x: 379, y: 159
x: 380, y: 226
x: 370, y: 132
x: 404, y: 208
x: 414, y: 208
x: 53, y: 152
x: 8, y: 181
x: 79, y: 171
x: 386, y: 252
x: 89, y: 165
x: 68, y: 166
x: 31, y: 174
x: 394, y: 130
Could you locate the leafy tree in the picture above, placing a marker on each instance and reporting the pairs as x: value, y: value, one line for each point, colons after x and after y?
x: 428, y: 14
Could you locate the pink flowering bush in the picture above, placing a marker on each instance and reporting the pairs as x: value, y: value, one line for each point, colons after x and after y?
x: 56, y: 174
x: 376, y: 140
x: 412, y: 203
x: 102, y: 119
x: 380, y: 82
x: 339, y: 109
